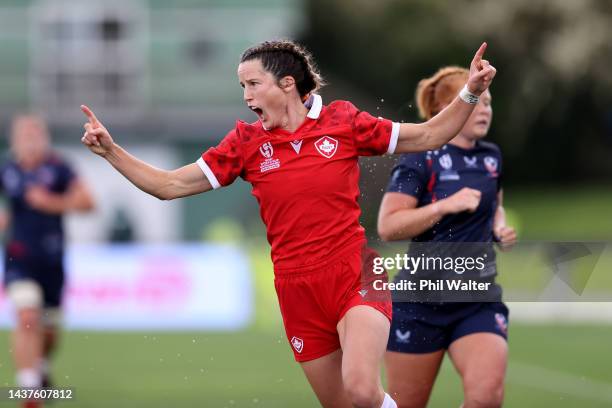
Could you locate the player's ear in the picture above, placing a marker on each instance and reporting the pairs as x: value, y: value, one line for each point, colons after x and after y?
x: 287, y: 83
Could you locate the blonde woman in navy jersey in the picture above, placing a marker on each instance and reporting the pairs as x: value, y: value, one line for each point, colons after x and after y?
x: 449, y: 195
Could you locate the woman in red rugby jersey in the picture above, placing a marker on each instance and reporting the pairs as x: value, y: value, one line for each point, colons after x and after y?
x: 301, y: 158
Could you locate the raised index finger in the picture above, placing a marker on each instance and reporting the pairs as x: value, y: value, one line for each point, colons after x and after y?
x: 480, y: 52
x: 90, y: 115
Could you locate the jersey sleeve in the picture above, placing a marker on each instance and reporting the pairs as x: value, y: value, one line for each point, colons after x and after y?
x: 373, y: 136
x: 224, y: 163
x: 409, y: 176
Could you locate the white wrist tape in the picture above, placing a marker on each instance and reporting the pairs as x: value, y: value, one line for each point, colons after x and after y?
x: 468, y: 97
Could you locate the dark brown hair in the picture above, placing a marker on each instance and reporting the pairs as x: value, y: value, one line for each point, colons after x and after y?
x: 433, y: 93
x: 286, y: 58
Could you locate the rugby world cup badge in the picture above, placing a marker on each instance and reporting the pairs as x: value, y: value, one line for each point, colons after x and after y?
x: 267, y: 151
x: 447, y: 172
x: 446, y: 162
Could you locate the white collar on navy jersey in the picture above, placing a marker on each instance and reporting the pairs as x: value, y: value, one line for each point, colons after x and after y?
x: 315, y: 103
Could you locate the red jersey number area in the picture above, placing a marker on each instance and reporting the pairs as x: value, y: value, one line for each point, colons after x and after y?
x: 306, y: 182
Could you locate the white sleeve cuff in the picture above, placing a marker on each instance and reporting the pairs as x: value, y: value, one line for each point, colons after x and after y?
x: 208, y: 173
x: 395, y: 129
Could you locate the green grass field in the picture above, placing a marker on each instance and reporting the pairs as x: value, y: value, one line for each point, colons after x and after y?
x: 550, y: 366
x: 561, y: 214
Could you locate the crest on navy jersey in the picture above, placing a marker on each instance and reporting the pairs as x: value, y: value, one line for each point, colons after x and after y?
x: 470, y: 162
x: 297, y: 344
x: 446, y: 162
x: 327, y: 146
x: 491, y: 165
x: 266, y: 150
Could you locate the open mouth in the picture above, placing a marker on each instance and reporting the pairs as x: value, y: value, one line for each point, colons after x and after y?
x: 258, y: 111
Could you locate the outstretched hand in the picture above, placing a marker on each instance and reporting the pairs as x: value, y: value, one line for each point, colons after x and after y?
x: 96, y: 137
x: 481, y: 72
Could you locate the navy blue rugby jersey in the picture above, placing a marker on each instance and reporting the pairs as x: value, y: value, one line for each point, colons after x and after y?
x: 33, y: 233
x: 434, y: 175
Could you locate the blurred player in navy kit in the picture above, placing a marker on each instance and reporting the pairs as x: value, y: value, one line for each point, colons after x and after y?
x: 452, y: 194
x: 39, y: 188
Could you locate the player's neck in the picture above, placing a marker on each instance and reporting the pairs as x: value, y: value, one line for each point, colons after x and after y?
x: 30, y: 163
x: 463, y: 142
x: 294, y: 116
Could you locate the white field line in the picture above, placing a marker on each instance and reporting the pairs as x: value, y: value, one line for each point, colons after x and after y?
x: 561, y: 312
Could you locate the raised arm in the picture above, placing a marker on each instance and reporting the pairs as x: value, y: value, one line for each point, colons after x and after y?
x: 163, y: 184
x: 446, y: 125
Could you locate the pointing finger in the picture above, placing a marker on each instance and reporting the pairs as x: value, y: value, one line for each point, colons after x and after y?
x: 480, y: 53
x: 90, y: 115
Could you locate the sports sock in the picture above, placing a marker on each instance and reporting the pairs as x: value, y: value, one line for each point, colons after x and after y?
x: 28, y: 377
x: 388, y: 402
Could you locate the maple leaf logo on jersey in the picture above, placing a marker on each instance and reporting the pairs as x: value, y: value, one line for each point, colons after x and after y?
x: 327, y: 146
x: 297, y: 343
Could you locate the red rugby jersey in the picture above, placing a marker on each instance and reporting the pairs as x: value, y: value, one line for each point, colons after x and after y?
x: 306, y: 182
